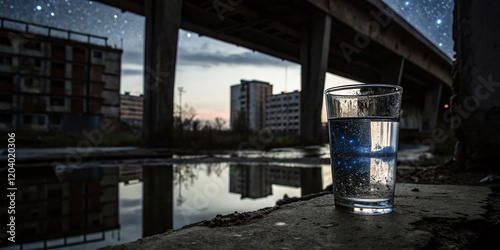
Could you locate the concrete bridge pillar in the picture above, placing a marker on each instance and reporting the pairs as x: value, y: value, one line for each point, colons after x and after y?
x: 475, y: 103
x: 163, y: 20
x: 311, y: 180
x: 315, y: 42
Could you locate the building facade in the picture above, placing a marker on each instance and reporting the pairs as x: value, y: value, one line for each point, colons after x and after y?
x: 131, y: 109
x: 283, y: 113
x: 249, y: 100
x: 56, y: 79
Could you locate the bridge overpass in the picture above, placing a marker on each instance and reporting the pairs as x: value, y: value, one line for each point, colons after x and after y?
x: 359, y: 39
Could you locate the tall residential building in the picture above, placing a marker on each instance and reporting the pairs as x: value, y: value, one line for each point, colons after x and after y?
x: 249, y: 99
x: 283, y: 113
x: 56, y: 79
x: 131, y: 109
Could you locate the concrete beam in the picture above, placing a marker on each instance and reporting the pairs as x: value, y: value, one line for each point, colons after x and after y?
x: 314, y: 60
x: 163, y: 20
x: 204, y: 22
x: 374, y: 20
x: 393, y: 72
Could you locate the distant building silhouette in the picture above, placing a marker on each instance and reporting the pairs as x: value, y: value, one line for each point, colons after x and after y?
x: 131, y: 109
x: 254, y: 100
x: 56, y: 79
x: 283, y: 113
x: 249, y: 99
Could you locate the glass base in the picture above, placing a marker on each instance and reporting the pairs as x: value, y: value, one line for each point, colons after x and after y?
x: 364, y: 206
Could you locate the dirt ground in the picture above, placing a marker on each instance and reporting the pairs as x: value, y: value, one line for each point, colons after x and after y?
x: 446, y: 173
x: 456, y: 234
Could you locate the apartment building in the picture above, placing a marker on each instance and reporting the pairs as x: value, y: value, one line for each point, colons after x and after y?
x: 131, y: 108
x: 283, y: 113
x: 249, y: 99
x: 57, y: 79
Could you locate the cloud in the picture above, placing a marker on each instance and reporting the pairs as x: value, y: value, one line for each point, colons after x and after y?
x: 207, y: 59
x: 129, y: 72
x: 130, y: 203
x: 133, y: 57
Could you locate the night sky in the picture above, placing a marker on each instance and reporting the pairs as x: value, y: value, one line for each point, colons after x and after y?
x: 79, y: 15
x: 434, y: 18
x: 202, y: 59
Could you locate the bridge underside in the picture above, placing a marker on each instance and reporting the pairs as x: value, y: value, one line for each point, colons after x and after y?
x: 367, y: 42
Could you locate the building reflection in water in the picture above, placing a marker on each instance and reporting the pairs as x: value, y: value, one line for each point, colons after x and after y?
x: 81, y: 207
x: 73, y: 207
x: 255, y: 181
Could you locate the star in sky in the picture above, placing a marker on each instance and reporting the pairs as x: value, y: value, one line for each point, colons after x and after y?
x: 80, y: 15
x: 432, y: 18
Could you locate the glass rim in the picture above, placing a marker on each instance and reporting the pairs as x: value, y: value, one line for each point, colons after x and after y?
x: 397, y: 89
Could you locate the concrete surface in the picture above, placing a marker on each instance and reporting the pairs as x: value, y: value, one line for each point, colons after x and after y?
x: 425, y: 217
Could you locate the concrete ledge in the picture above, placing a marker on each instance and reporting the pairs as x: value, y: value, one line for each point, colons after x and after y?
x: 315, y: 223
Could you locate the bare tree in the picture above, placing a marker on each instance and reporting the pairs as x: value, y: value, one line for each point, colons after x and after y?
x: 219, y: 123
x: 196, y: 125
x: 207, y: 125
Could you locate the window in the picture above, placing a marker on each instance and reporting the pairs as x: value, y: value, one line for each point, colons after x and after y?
x: 79, y: 54
x: 5, y: 118
x: 5, y: 60
x: 55, y: 119
x: 56, y: 101
x: 97, y: 54
x: 77, y: 106
x: 78, y: 72
x: 5, y: 98
x: 30, y: 82
x: 38, y: 120
x: 5, y: 40
x: 58, y: 51
x: 58, y: 66
x: 33, y: 45
x: 6, y: 79
x: 27, y: 119
x: 57, y: 84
